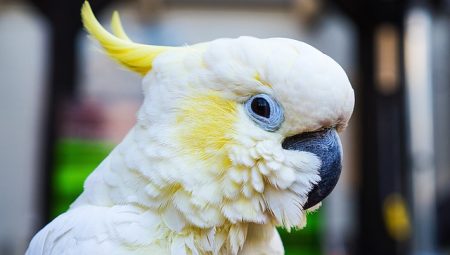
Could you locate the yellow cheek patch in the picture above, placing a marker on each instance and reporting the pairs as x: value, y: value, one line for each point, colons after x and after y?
x: 206, y: 123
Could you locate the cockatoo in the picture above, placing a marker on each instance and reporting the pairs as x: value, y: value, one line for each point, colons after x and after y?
x: 234, y: 138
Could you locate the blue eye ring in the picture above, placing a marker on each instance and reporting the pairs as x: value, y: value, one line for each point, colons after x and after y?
x: 268, y: 119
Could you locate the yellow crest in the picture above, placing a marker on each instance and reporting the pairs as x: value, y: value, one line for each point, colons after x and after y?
x: 137, y: 57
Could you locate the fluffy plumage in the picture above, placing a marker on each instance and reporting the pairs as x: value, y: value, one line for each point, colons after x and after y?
x: 196, y: 175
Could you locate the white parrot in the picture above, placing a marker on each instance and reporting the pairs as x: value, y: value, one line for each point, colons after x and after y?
x: 234, y: 138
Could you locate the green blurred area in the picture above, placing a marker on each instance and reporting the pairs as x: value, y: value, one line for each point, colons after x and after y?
x: 77, y: 158
x: 305, y: 241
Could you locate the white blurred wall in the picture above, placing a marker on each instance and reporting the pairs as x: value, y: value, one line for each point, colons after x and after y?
x: 22, y: 65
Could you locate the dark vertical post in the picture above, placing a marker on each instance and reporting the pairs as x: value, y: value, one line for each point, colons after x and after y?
x: 64, y: 18
x: 384, y: 147
x: 383, y: 115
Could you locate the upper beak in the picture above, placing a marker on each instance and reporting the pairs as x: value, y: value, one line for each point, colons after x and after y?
x: 326, y: 145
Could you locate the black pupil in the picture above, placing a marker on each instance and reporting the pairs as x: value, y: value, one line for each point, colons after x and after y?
x: 261, y: 107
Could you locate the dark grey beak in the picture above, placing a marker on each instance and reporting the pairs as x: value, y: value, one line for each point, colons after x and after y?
x: 327, y: 146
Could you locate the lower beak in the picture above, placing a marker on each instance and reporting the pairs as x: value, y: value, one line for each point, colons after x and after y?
x: 326, y: 145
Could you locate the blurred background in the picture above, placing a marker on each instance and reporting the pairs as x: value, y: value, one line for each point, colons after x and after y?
x: 64, y: 105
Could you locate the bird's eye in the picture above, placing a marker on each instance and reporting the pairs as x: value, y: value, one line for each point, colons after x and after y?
x: 265, y: 111
x: 261, y: 107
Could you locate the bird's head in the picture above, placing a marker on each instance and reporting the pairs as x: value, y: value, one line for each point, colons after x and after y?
x: 236, y: 130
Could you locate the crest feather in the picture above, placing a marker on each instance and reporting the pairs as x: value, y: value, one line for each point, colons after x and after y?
x: 116, y: 27
x: 135, y: 56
